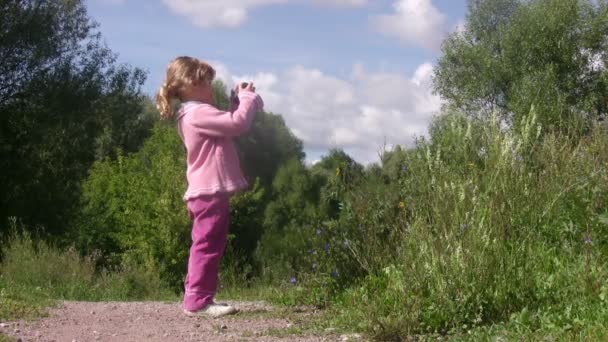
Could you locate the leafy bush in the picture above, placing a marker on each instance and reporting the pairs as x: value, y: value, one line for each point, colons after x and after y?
x: 492, y: 224
x: 133, y: 209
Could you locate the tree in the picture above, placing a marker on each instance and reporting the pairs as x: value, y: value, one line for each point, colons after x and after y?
x: 514, y: 54
x: 64, y: 102
x: 295, y: 196
x: 339, y: 173
x: 292, y: 213
x: 339, y: 162
x: 394, y: 163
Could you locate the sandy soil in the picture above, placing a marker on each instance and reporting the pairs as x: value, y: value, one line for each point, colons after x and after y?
x: 157, y: 321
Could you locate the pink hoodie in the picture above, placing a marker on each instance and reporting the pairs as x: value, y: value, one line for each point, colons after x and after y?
x: 207, y: 132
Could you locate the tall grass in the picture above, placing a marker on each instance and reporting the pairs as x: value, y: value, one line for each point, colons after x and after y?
x: 486, y: 226
x: 33, y: 274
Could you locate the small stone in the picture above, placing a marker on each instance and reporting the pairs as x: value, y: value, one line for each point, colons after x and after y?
x: 3, y: 325
x: 92, y: 312
x: 95, y: 332
x: 74, y: 341
x: 351, y: 337
x: 224, y: 327
x: 197, y: 325
x: 17, y: 331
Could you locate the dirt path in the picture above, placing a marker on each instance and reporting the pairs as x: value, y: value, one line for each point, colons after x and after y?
x: 155, y: 321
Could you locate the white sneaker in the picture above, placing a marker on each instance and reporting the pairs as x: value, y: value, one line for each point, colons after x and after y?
x: 213, y: 310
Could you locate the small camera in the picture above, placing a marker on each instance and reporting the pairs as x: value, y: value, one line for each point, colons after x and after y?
x: 242, y: 85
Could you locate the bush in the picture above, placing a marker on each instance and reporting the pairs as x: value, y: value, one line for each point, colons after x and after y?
x: 133, y: 209
x: 487, y: 224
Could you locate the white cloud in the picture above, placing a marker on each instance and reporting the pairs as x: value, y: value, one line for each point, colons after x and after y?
x: 415, y: 22
x: 341, y: 3
x: 233, y: 13
x: 214, y: 13
x: 358, y: 113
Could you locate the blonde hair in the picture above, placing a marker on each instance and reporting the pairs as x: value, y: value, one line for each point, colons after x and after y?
x: 182, y: 72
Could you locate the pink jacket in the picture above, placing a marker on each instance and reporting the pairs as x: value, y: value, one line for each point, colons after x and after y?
x: 207, y: 133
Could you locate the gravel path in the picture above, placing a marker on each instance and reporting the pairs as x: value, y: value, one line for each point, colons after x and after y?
x: 156, y: 321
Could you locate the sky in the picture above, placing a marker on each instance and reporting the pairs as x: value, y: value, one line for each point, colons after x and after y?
x: 349, y: 74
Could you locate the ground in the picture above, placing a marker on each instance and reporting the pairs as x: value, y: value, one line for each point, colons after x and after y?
x: 162, y: 321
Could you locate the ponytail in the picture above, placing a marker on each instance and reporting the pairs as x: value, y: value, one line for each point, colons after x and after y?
x: 163, y: 102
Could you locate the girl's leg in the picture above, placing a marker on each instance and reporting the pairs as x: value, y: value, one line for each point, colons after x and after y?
x: 210, y: 215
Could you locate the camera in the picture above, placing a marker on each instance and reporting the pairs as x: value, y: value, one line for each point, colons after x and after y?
x: 242, y: 85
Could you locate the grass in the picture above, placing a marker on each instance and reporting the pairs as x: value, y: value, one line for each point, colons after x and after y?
x: 34, y: 275
x: 4, y: 338
x: 20, y: 303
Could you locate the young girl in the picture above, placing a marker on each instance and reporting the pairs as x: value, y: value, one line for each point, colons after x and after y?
x: 213, y: 171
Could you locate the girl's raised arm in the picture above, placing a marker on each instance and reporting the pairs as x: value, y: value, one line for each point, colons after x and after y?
x: 208, y: 120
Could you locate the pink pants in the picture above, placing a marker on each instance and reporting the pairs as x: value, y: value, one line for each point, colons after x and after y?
x: 210, y: 216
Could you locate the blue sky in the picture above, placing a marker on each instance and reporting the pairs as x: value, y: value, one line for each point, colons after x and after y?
x: 351, y: 74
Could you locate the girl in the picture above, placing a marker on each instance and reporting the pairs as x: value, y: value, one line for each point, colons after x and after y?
x: 213, y: 171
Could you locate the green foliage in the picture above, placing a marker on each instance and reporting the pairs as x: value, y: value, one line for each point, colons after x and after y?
x: 246, y: 229
x: 32, y: 274
x: 4, y: 338
x: 517, y: 54
x: 64, y: 102
x: 268, y: 145
x: 340, y: 172
x: 133, y: 207
x: 292, y: 212
x: 487, y: 224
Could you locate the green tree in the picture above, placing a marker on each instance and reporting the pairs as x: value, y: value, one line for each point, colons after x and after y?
x: 64, y: 101
x: 515, y: 54
x: 292, y: 213
x: 340, y: 173
x: 339, y: 162
x: 295, y: 193
x: 394, y: 163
